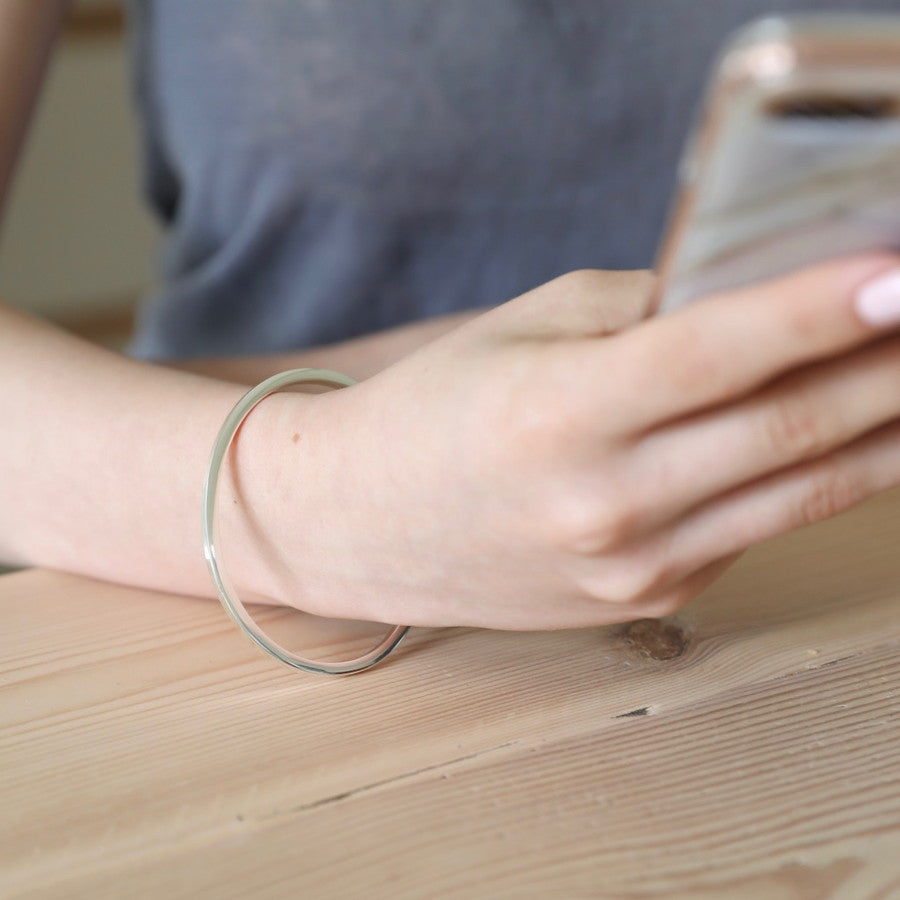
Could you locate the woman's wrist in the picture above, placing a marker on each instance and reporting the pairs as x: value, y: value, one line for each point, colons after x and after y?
x: 262, y: 513
x: 359, y: 357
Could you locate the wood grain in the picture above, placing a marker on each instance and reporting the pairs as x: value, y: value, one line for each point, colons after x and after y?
x: 148, y: 750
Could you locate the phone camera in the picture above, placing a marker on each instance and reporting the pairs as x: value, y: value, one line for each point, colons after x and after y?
x: 834, y: 107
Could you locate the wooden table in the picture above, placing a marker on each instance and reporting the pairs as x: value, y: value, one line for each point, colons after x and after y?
x: 149, y: 750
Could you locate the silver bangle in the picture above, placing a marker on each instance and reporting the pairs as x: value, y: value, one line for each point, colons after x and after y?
x: 225, y: 589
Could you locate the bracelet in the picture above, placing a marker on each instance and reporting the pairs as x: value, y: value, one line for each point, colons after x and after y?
x: 225, y: 589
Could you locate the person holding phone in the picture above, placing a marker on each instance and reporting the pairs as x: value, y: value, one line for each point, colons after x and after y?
x: 347, y: 186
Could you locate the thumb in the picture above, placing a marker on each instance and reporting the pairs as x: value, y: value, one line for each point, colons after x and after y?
x: 584, y: 303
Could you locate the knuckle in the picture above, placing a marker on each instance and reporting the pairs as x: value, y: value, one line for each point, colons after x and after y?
x: 633, y: 580
x: 522, y: 422
x: 667, y: 604
x: 828, y: 494
x: 595, y: 527
x: 802, y: 321
x: 533, y: 426
x: 796, y: 428
x: 581, y: 281
x: 690, y: 360
x: 622, y: 587
x: 625, y: 586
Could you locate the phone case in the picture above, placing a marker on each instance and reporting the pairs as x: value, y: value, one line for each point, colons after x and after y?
x: 796, y: 157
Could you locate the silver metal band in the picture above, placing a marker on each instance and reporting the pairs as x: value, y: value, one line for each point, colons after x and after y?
x: 227, y: 594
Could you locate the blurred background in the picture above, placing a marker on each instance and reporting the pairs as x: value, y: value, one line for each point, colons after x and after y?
x: 77, y: 245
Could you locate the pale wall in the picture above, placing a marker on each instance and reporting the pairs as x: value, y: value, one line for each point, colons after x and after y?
x: 76, y: 236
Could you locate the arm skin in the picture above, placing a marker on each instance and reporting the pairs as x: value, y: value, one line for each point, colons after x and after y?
x: 102, y: 458
x: 359, y: 358
x: 559, y: 461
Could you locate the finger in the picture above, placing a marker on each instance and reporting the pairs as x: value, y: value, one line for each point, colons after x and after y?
x: 800, y: 417
x: 672, y: 597
x: 585, y: 303
x: 592, y: 607
x: 722, y: 347
x: 790, y: 499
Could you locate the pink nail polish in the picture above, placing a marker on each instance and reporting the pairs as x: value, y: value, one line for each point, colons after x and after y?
x: 878, y: 302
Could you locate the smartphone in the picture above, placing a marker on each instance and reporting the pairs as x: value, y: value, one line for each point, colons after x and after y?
x: 795, y: 156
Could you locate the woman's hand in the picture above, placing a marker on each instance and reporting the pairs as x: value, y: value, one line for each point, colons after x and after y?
x: 564, y: 461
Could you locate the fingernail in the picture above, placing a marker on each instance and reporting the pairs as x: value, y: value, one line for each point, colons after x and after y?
x: 878, y: 302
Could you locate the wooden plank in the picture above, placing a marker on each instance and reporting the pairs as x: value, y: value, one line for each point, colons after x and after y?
x: 782, y: 789
x: 146, y: 747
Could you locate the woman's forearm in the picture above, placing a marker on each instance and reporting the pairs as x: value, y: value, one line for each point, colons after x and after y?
x: 103, y: 458
x: 359, y: 357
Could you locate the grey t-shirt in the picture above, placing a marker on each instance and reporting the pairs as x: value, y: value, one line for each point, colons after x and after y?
x: 326, y: 168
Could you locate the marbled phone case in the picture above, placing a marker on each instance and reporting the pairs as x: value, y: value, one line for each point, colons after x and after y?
x: 795, y: 158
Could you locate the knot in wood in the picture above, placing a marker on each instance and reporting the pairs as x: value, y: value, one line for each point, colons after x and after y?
x: 655, y: 639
